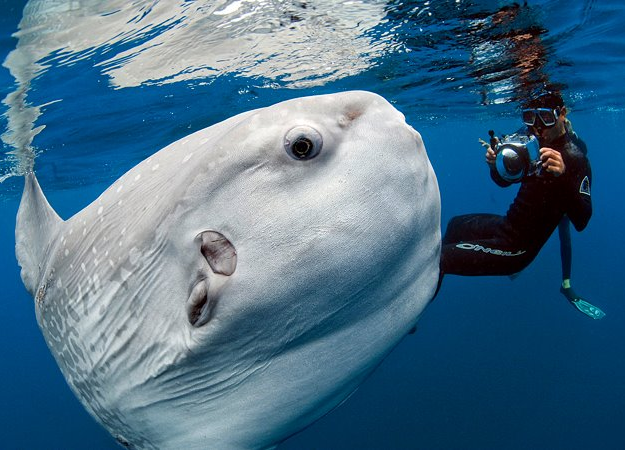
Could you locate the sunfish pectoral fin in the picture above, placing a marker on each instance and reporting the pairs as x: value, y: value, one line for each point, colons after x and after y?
x: 219, y: 252
x: 35, y: 231
x: 219, y: 261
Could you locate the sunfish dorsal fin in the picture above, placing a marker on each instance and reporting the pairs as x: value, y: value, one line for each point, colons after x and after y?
x: 35, y: 232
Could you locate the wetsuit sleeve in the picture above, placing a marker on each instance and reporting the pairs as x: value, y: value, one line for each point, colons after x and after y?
x: 579, y: 202
x: 581, y: 145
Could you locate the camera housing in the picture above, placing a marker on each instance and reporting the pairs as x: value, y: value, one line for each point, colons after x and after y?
x: 517, y: 156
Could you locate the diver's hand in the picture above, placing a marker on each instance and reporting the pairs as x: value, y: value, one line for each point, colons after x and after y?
x: 484, y: 143
x: 490, y: 156
x: 552, y: 161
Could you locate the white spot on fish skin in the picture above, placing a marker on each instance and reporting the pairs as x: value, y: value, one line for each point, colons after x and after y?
x: 188, y: 157
x: 111, y: 263
x: 93, y: 250
x: 66, y: 252
x: 120, y: 187
x: 71, y: 266
x: 96, y: 262
x: 100, y: 209
x: 138, y: 177
x: 124, y: 274
x: 155, y: 167
x: 84, y: 232
x: 134, y: 256
x: 203, y: 141
x: 123, y: 231
x: 82, y: 266
x: 59, y: 283
x: 119, y: 203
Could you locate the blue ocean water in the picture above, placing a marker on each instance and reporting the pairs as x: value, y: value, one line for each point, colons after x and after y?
x: 495, y: 363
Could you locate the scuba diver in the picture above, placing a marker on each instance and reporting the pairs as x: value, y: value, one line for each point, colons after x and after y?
x: 555, y: 177
x: 564, y: 232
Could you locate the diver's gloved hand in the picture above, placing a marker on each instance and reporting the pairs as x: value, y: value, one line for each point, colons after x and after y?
x: 484, y: 143
x: 581, y: 304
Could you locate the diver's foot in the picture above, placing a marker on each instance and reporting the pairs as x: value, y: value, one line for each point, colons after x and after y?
x: 570, y: 294
x: 581, y: 304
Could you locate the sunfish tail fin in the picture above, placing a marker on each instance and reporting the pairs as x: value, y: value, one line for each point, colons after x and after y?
x: 35, y: 232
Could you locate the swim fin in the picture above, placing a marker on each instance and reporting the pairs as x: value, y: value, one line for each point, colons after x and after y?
x: 581, y: 304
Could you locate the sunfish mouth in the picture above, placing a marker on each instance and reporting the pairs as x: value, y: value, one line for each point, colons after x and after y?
x: 221, y: 258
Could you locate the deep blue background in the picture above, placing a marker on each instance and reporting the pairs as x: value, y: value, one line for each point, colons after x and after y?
x: 495, y: 363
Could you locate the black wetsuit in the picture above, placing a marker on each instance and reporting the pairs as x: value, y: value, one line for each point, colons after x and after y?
x: 489, y: 244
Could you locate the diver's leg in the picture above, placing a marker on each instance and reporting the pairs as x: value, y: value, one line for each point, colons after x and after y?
x: 566, y: 250
x: 472, y: 226
x: 566, y: 255
x: 475, y: 244
x: 484, y: 257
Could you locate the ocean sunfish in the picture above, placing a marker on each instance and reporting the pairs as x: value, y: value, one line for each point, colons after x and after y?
x: 241, y: 282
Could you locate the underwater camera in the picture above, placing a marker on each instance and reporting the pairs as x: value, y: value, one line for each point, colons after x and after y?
x: 517, y: 156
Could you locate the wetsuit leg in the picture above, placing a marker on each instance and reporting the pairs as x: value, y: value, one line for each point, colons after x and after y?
x: 477, y: 226
x: 477, y: 244
x: 566, y: 251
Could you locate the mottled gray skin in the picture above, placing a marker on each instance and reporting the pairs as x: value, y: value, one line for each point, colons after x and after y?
x: 224, y: 294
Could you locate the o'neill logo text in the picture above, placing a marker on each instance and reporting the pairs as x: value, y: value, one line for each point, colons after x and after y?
x: 492, y: 251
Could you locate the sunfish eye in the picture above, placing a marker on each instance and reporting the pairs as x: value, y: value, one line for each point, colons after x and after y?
x: 303, y: 143
x: 302, y: 147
